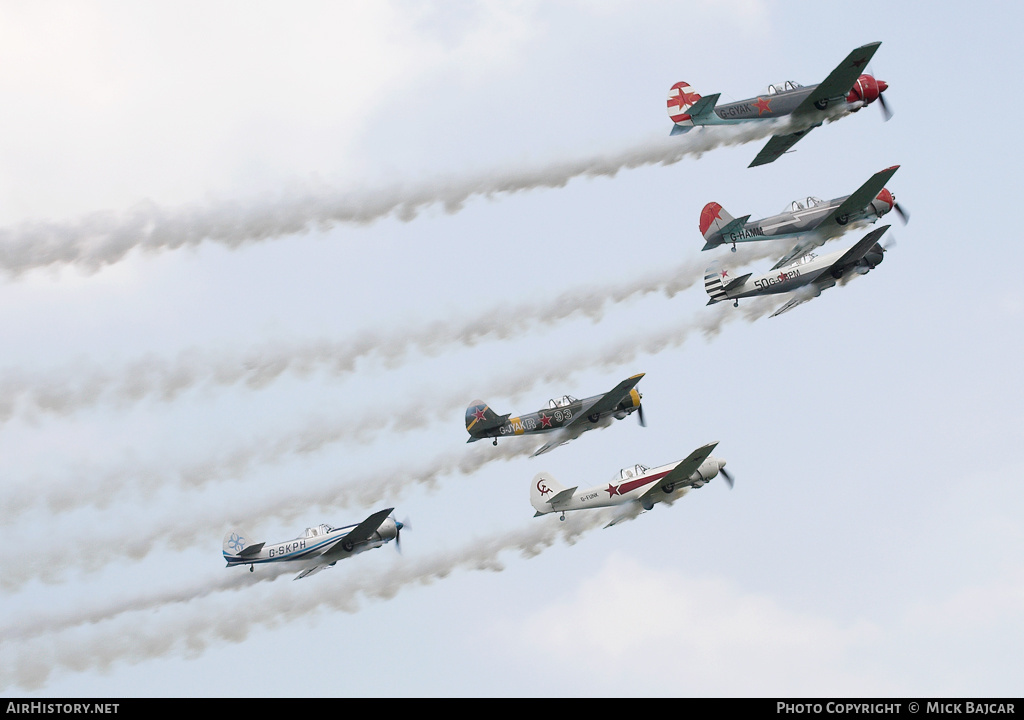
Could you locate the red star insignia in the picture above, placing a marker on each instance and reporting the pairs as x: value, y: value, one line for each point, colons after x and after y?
x: 858, y: 63
x: 683, y: 99
x: 782, y: 277
x: 763, y: 105
x: 479, y: 414
x: 725, y: 273
x: 611, y: 490
x: 545, y: 421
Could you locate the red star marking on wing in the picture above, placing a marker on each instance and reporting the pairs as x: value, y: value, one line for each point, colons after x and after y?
x: 479, y: 414
x: 858, y: 63
x: 611, y: 490
x: 725, y: 273
x: 763, y: 105
x: 545, y: 421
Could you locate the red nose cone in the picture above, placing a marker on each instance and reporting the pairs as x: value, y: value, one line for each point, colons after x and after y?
x: 882, y: 86
x: 886, y: 197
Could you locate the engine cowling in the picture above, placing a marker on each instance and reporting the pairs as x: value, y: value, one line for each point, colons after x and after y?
x: 866, y: 89
x: 883, y: 202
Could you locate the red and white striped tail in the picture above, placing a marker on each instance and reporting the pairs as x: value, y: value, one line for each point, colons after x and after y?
x: 680, y: 98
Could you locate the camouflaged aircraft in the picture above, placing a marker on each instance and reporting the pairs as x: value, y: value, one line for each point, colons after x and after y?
x: 566, y: 416
x: 846, y: 89
x: 808, y: 275
x: 319, y: 547
x: 636, y: 487
x: 813, y: 222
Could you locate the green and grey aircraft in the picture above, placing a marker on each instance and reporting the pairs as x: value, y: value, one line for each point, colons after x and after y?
x: 845, y: 90
x: 811, y: 223
x: 567, y: 417
x: 805, y: 278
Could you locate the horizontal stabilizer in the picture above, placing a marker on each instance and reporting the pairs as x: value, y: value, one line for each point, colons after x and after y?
x: 738, y: 282
x: 252, y: 550
x: 680, y: 129
x: 562, y: 496
x: 703, y: 108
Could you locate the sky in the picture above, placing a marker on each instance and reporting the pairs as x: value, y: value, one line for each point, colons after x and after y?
x: 256, y: 259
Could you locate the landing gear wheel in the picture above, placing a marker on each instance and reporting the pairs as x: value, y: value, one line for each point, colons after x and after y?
x: 821, y: 104
x: 250, y: 568
x: 495, y: 442
x: 668, y: 488
x: 347, y: 546
x: 593, y: 418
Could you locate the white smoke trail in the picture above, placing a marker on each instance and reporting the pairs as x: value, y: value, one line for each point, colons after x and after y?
x: 102, y: 239
x: 87, y: 554
x: 80, y: 387
x: 190, y: 622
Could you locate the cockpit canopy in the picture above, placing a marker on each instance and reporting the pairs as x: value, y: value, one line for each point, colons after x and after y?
x: 318, y: 531
x: 806, y: 205
x: 632, y: 472
x: 561, y: 402
x: 787, y: 86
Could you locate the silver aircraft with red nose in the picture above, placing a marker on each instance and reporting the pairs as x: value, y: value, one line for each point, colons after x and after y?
x: 811, y: 222
x: 634, y: 488
x: 846, y: 89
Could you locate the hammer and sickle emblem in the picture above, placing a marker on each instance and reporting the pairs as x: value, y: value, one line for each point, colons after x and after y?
x: 542, y: 488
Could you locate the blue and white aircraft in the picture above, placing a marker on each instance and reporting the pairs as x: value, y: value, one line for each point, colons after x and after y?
x: 318, y: 548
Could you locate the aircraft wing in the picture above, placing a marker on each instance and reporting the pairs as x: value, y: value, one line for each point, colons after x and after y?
x: 681, y: 472
x: 609, y: 400
x: 312, y: 570
x: 561, y: 438
x: 359, y: 534
x: 859, y: 200
x: 799, y: 298
x: 855, y: 253
x: 799, y: 249
x: 840, y: 80
x: 776, y: 147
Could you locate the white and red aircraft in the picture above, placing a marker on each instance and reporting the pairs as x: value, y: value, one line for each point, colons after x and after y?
x: 636, y: 486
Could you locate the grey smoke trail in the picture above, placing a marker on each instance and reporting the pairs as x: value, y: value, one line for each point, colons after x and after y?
x: 50, y: 557
x: 80, y: 386
x: 102, y: 239
x: 189, y: 623
x: 88, y: 554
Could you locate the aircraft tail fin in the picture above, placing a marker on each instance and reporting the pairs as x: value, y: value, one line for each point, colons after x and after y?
x: 480, y: 418
x: 713, y: 285
x: 237, y: 546
x: 681, y: 97
x: 545, y: 489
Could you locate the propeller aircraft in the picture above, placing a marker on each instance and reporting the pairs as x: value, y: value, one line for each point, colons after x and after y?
x: 566, y: 416
x: 636, y: 487
x: 812, y: 223
x: 808, y: 275
x: 845, y: 89
x: 319, y: 547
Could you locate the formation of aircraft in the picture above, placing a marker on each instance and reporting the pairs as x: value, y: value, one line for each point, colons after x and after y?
x: 638, y: 486
x: 846, y: 89
x: 812, y: 222
x: 318, y: 547
x: 808, y: 275
x: 800, y: 272
x: 566, y: 417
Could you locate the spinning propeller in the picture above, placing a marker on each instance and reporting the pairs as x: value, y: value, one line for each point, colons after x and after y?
x: 640, y: 415
x: 728, y: 478
x: 398, y: 533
